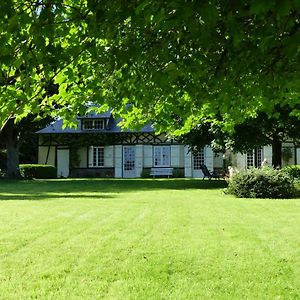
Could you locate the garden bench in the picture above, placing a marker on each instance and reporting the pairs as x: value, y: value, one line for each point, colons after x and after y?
x: 161, y: 172
x: 207, y: 173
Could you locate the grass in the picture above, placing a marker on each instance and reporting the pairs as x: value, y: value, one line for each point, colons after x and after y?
x: 145, y: 239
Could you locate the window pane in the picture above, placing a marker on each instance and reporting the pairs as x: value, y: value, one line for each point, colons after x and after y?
x: 98, y: 156
x: 162, y: 156
x: 250, y: 159
x: 255, y: 158
x: 198, y: 159
x: 129, y: 158
x: 259, y: 157
x: 93, y: 124
x: 157, y: 156
x: 165, y: 156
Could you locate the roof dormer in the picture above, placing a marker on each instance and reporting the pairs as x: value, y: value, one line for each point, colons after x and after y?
x: 94, y: 124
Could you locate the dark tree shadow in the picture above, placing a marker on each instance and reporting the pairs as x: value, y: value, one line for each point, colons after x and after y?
x: 81, y: 188
x: 47, y: 196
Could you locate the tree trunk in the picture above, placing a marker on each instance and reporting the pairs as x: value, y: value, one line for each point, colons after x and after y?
x: 276, y: 154
x: 12, y: 148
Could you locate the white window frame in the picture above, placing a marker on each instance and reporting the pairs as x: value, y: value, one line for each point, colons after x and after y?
x: 255, y: 157
x: 199, y: 159
x: 161, y: 156
x: 96, y: 152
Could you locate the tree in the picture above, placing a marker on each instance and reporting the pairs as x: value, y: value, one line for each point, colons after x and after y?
x: 192, y: 60
x: 39, y: 41
x: 13, y: 136
x: 254, y: 132
x: 265, y: 130
x: 172, y: 60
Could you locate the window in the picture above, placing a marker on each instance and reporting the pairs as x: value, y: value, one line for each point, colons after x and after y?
x: 93, y: 124
x: 250, y: 159
x: 129, y: 158
x: 254, y: 158
x: 98, y: 156
x: 162, y: 156
x: 198, y: 159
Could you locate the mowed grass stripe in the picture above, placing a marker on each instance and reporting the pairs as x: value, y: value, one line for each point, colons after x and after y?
x: 145, y: 239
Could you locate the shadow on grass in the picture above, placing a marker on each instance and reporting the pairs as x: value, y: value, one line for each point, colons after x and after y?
x: 47, y: 196
x: 95, y: 188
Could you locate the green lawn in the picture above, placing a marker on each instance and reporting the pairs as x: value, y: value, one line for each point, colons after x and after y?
x: 145, y: 239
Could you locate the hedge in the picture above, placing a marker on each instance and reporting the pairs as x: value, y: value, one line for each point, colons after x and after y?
x: 30, y: 171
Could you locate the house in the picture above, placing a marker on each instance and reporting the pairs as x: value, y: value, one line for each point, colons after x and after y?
x: 98, y: 147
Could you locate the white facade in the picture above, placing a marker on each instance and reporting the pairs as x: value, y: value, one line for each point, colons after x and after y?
x: 106, y: 150
x: 128, y: 161
x: 290, y: 156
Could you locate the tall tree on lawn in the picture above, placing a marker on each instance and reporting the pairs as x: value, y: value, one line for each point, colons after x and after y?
x: 175, y: 62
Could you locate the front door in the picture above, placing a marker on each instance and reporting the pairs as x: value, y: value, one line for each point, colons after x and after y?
x: 63, y: 163
x: 129, y: 162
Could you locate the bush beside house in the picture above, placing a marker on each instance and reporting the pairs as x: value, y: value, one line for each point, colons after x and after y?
x: 262, y: 183
x: 293, y: 171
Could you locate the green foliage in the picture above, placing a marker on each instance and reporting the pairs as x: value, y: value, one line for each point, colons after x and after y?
x: 256, y: 131
x: 293, y: 171
x: 262, y: 183
x: 40, y: 42
x: 176, y: 61
x: 30, y: 171
x: 145, y: 173
x: 178, y: 173
x: 228, y: 57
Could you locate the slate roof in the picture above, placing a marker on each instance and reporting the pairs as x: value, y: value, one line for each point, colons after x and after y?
x: 94, y: 115
x: 56, y: 126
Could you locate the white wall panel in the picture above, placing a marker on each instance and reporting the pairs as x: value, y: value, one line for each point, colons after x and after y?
x: 109, y: 156
x: 267, y: 154
x: 118, y: 161
x: 187, y: 162
x: 148, y: 156
x: 241, y: 161
x: 138, y: 160
x: 42, y: 155
x: 175, y: 156
x: 209, y: 157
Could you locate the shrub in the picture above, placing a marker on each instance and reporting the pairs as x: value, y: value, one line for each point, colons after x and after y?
x: 178, y: 173
x: 29, y: 171
x: 262, y: 183
x: 293, y: 171
x: 145, y: 173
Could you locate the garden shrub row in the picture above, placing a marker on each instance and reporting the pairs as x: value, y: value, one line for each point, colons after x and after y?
x: 30, y: 171
x: 262, y: 183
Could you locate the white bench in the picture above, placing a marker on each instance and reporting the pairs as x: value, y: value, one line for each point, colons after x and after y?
x: 161, y: 172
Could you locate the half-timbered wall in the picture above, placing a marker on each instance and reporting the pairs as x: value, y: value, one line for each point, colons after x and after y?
x: 144, y: 145
x: 47, y: 155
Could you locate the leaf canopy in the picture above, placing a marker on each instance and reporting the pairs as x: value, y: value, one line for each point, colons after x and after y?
x: 176, y: 62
